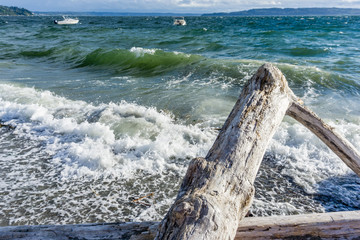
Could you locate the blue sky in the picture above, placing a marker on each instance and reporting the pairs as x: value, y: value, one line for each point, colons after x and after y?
x: 175, y: 6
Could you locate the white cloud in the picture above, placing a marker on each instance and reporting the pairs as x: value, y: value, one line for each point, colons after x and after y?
x: 193, y: 4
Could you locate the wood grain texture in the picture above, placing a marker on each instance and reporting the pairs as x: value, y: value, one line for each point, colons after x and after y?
x: 336, y: 225
x: 100, y: 231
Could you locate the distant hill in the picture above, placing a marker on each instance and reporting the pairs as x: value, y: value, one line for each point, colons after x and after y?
x: 14, y: 11
x: 291, y: 12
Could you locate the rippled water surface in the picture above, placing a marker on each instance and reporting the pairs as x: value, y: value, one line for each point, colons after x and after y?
x: 113, y: 109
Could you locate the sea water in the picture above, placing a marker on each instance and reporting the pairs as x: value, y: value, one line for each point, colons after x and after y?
x: 105, y: 112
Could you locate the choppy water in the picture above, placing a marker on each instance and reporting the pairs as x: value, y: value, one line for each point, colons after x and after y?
x: 114, y: 108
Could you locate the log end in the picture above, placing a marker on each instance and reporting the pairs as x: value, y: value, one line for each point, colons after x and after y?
x: 268, y: 77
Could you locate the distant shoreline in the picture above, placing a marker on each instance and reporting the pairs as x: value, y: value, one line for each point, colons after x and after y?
x: 14, y: 11
x: 9, y: 11
x: 291, y: 12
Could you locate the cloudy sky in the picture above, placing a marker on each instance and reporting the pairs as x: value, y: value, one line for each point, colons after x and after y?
x: 175, y: 6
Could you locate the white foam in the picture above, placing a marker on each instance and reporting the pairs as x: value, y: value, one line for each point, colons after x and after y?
x: 140, y: 52
x: 90, y: 138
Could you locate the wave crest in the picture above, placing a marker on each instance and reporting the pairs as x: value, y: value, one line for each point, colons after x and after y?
x: 139, y: 61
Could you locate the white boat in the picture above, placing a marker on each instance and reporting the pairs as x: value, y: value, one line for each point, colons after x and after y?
x: 180, y: 21
x: 67, y: 20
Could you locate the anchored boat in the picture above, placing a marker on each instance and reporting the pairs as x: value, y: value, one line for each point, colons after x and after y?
x: 180, y: 21
x: 67, y: 20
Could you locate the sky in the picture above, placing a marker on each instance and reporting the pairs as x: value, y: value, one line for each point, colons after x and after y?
x: 171, y: 6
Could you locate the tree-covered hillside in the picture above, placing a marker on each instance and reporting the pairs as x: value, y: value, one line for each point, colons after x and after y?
x: 291, y: 12
x: 14, y: 11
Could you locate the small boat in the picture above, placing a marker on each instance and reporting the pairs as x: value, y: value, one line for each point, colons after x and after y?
x: 180, y: 21
x: 67, y: 20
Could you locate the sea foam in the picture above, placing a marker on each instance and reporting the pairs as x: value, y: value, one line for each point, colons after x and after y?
x: 84, y: 135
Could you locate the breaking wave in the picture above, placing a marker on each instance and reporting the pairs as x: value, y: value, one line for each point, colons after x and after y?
x: 139, y: 60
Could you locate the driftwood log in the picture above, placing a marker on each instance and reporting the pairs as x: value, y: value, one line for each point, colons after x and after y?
x: 217, y: 190
x: 336, y: 225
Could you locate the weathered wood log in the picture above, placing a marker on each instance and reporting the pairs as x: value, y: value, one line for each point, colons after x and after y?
x: 217, y: 191
x: 94, y: 231
x: 338, y: 225
x: 338, y: 144
x: 335, y: 225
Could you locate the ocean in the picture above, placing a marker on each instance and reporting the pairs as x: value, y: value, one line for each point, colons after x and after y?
x: 104, y: 116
